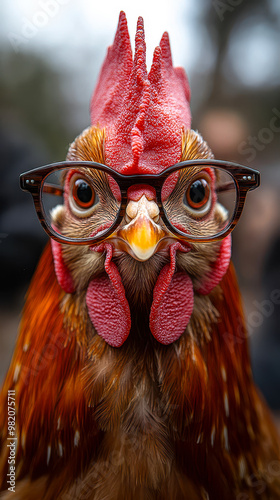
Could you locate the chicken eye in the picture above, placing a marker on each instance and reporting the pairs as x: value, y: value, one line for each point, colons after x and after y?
x: 83, y: 197
x: 83, y: 194
x: 198, y: 196
x: 198, y: 193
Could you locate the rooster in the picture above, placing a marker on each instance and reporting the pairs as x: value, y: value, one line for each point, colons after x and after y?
x: 131, y: 376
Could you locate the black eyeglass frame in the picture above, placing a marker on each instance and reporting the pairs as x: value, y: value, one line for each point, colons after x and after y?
x: 245, y: 179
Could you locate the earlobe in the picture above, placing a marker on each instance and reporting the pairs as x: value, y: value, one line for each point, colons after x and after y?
x: 62, y: 272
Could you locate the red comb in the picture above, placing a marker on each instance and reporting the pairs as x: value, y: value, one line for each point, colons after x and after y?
x: 143, y: 113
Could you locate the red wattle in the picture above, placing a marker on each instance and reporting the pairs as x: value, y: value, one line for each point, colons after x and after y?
x: 172, y: 301
x: 107, y: 305
x: 219, y: 268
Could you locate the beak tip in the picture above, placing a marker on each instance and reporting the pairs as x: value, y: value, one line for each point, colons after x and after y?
x: 142, y: 236
x: 141, y: 253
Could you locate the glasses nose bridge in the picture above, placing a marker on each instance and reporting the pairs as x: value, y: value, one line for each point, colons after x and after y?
x: 133, y: 187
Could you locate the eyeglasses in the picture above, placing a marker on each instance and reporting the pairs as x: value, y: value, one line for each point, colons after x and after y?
x: 81, y: 202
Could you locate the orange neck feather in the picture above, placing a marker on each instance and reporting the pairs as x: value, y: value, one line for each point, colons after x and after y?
x: 46, y: 374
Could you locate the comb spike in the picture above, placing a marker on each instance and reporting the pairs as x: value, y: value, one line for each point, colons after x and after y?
x: 155, y: 71
x: 166, y: 50
x: 113, y: 78
x: 140, y: 52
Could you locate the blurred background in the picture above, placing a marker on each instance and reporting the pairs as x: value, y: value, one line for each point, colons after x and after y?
x: 51, y: 53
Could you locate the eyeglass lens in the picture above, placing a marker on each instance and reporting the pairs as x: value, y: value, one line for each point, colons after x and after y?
x: 200, y: 201
x: 80, y: 203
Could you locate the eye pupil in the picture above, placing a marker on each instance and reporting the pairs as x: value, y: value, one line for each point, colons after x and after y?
x: 197, y: 192
x: 83, y: 194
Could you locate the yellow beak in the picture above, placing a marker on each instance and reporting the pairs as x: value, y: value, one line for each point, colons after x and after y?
x: 142, y: 233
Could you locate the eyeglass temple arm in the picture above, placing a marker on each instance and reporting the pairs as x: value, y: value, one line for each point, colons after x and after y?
x: 52, y: 189
x: 229, y: 186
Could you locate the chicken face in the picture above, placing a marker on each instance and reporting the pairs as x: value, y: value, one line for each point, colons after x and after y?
x: 142, y: 268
